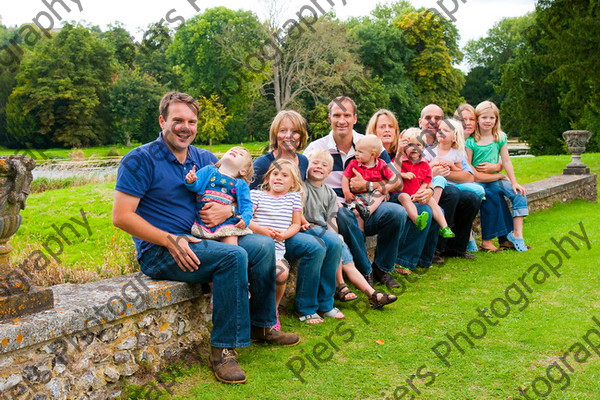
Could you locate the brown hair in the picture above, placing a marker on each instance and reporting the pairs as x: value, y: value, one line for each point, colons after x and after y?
x: 177, y: 97
x: 296, y: 119
x: 339, y: 100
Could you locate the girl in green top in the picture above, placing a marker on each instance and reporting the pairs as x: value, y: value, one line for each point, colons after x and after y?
x: 485, y: 148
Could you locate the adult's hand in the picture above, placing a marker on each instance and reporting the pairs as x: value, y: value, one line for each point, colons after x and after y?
x: 358, y: 184
x: 422, y: 196
x: 488, y: 168
x: 441, y: 170
x: 183, y: 255
x: 213, y: 214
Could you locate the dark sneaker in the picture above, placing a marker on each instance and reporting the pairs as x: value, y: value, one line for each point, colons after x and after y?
x: 225, y: 366
x: 272, y: 336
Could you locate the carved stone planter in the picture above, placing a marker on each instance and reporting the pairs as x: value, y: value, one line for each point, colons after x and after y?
x: 576, y: 141
x: 17, y: 296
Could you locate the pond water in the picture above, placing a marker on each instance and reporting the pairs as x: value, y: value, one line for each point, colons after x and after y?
x: 100, y: 168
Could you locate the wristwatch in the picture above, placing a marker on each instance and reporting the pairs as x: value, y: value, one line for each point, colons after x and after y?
x: 233, y: 211
x: 370, y: 187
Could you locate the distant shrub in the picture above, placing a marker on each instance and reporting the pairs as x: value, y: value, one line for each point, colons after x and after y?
x: 112, y: 152
x: 77, y: 154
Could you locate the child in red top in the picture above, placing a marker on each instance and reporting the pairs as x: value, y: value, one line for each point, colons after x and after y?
x: 374, y: 170
x: 416, y: 174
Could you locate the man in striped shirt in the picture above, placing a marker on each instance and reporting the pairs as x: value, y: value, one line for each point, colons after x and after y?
x: 387, y: 222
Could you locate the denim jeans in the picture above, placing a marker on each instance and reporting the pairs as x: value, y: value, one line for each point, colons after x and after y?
x: 228, y: 268
x: 319, y: 252
x: 387, y: 222
x: 496, y: 219
x: 412, y: 249
x: 460, y: 209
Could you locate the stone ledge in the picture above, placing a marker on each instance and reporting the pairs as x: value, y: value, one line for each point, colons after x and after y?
x: 557, y: 184
x: 82, y: 307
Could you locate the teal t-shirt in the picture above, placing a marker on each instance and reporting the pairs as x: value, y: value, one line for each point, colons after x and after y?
x: 489, y: 153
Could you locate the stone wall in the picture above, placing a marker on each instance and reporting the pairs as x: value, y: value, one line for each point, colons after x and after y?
x: 98, y: 333
x: 132, y: 326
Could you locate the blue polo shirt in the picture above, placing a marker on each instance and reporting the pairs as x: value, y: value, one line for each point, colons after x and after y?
x: 153, y: 173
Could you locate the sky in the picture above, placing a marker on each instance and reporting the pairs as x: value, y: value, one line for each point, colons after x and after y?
x: 473, y: 17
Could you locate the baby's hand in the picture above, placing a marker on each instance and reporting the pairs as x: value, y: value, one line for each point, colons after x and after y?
x: 191, y: 176
x: 241, y: 224
x: 349, y: 197
x: 402, y: 143
x: 408, y: 175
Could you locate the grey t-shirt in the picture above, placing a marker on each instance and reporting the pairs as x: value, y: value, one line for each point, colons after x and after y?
x: 320, y: 205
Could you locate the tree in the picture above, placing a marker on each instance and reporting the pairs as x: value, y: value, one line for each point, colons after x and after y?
x: 212, y: 119
x: 152, y: 57
x: 63, y: 85
x: 571, y: 32
x: 434, y: 43
x: 120, y: 42
x: 133, y: 103
x: 203, y: 50
x: 489, y: 56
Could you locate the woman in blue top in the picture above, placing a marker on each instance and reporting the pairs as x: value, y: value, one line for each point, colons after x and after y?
x: 287, y: 136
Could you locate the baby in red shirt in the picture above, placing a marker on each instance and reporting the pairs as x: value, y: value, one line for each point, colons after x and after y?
x: 374, y: 170
x: 416, y: 174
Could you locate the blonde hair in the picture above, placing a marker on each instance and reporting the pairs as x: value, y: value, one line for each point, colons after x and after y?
x: 321, y: 154
x: 458, y: 134
x: 414, y: 134
x: 372, y: 127
x: 481, y: 108
x: 247, y: 166
x: 279, y: 164
x: 373, y: 142
x: 296, y: 119
x: 461, y: 108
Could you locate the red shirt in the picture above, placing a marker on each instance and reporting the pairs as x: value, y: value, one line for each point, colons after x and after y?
x: 377, y: 173
x: 422, y: 172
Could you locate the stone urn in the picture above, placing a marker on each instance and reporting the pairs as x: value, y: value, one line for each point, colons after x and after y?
x: 17, y: 296
x: 576, y: 142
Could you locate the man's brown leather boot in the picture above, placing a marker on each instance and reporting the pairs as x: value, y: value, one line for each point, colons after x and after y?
x: 224, y: 364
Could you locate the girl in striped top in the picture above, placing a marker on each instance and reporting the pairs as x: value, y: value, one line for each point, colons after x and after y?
x: 278, y: 214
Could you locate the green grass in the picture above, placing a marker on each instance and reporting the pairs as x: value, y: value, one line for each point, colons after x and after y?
x: 255, y: 148
x: 512, y: 354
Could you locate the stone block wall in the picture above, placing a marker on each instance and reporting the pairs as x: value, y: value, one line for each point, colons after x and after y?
x: 135, y: 327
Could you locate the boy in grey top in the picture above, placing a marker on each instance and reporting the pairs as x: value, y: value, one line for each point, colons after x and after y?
x: 320, y: 209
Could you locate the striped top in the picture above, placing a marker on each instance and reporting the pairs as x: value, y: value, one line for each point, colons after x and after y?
x: 275, y: 212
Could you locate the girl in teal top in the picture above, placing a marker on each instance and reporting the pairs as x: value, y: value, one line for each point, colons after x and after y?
x: 486, y: 147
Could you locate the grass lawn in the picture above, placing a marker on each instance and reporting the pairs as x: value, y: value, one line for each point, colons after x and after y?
x: 373, y: 355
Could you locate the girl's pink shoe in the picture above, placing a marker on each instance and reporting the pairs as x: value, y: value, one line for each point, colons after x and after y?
x: 277, y: 326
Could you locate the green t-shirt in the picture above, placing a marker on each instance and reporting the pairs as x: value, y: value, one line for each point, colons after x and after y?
x: 489, y: 153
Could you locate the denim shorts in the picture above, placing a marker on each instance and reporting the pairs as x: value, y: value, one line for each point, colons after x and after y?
x: 346, y: 255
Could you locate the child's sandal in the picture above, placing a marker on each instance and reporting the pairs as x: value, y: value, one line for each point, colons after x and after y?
x: 446, y: 232
x: 518, y: 243
x: 342, y: 292
x: 377, y: 303
x: 311, y: 319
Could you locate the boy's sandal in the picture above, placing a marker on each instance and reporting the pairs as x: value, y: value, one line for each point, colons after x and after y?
x: 377, y: 303
x: 422, y: 220
x: 472, y: 246
x: 311, y: 319
x: 518, y: 243
x: 446, y: 232
x: 342, y: 292
x: 333, y: 313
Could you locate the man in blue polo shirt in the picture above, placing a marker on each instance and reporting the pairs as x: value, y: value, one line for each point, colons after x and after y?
x: 154, y: 206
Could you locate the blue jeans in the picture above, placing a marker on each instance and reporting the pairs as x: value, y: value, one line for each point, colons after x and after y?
x: 319, y: 252
x: 228, y: 267
x: 387, y: 222
x: 496, y: 219
x: 413, y: 250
